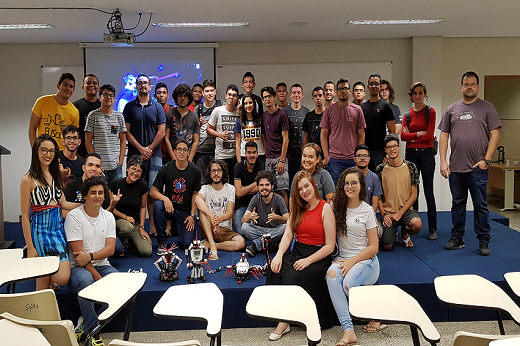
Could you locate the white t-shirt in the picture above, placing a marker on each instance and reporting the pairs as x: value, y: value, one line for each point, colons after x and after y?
x: 217, y: 200
x: 358, y: 221
x: 222, y: 120
x: 93, y: 231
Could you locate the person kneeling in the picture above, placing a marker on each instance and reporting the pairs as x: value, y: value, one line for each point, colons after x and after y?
x: 91, y: 234
x: 216, y: 203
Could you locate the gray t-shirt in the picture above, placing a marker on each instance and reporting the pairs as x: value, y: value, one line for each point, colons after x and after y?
x: 296, y: 118
x: 206, y: 143
x: 222, y: 120
x: 373, y: 186
x: 324, y: 183
x: 217, y: 200
x: 469, y: 126
x: 263, y: 209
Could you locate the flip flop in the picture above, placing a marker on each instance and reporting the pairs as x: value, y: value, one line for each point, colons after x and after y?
x: 213, y: 256
x: 408, y: 242
x: 372, y: 329
x: 54, y: 286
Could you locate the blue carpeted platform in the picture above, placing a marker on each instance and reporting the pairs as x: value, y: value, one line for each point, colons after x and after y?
x: 411, y: 269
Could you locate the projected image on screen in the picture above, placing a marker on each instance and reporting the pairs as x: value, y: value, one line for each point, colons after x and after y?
x: 171, y: 73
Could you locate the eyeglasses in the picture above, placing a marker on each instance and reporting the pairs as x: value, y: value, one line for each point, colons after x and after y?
x: 392, y: 147
x: 234, y: 96
x: 351, y: 183
x: 182, y: 150
x: 69, y: 138
x: 343, y: 89
x: 213, y: 171
x: 109, y: 96
x: 46, y: 151
x: 472, y: 85
x: 143, y: 82
x: 362, y: 156
x: 265, y: 97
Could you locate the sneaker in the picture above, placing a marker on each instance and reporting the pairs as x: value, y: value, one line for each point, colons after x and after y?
x: 162, y: 249
x: 96, y: 341
x: 454, y: 244
x: 432, y: 235
x: 483, y: 249
x: 251, y: 249
x: 79, y: 333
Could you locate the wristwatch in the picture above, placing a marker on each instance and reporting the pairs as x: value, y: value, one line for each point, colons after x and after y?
x: 488, y: 162
x: 91, y: 257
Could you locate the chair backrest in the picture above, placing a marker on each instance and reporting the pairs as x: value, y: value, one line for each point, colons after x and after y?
x: 38, y: 305
x: 471, y: 339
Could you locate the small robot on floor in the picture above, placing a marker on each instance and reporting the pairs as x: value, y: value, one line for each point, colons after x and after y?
x: 168, y: 264
x: 197, y: 261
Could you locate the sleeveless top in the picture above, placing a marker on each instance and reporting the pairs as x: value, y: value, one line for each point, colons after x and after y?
x: 311, y: 231
x: 44, y: 195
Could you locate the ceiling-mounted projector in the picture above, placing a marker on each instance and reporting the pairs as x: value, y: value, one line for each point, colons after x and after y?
x: 119, y: 40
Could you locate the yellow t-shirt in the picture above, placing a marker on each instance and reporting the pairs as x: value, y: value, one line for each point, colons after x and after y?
x: 54, y: 117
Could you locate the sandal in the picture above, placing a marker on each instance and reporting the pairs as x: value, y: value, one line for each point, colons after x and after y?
x: 213, y: 256
x: 372, y: 329
x: 408, y: 242
x: 54, y: 286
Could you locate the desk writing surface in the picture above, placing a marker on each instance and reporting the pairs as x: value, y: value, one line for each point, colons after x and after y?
x: 513, y: 280
x: 515, y: 341
x: 114, y: 290
x: 505, y: 166
x: 14, y: 270
x: 201, y: 301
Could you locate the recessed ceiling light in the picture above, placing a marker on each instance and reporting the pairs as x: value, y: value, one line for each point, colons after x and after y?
x: 199, y: 25
x: 25, y: 26
x: 397, y: 21
x: 298, y: 23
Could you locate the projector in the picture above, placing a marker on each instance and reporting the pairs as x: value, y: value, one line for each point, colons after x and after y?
x: 119, y: 39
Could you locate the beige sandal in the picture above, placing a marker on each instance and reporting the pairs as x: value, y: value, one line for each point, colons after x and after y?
x: 213, y: 256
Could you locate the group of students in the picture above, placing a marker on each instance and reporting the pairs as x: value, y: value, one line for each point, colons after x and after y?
x: 226, y: 170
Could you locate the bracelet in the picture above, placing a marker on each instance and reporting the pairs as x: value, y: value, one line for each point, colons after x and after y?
x: 141, y: 227
x: 91, y: 257
x: 281, y: 161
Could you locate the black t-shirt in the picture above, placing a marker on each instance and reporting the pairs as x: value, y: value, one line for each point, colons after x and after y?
x: 178, y: 185
x: 73, y: 194
x: 311, y: 125
x: 76, y: 169
x: 246, y: 178
x: 376, y: 116
x: 258, y: 101
x: 84, y: 107
x: 130, y: 202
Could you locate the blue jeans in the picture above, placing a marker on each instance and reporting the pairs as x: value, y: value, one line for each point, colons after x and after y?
x: 336, y: 167
x: 476, y: 182
x: 361, y: 274
x: 79, y: 279
x: 152, y: 167
x: 424, y: 160
x: 254, y: 232
x: 160, y: 216
x: 113, y: 174
x: 239, y: 214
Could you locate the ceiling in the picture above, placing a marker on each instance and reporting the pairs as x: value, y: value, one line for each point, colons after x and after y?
x: 270, y: 20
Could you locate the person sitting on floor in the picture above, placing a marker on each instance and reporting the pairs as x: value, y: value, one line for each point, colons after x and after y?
x: 216, y: 202
x: 266, y: 213
x: 399, y: 179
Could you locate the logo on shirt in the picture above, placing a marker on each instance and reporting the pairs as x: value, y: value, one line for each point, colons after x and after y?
x: 359, y: 220
x: 466, y: 116
x: 179, y: 185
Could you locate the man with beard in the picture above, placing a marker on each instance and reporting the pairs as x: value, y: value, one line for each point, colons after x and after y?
x: 182, y: 122
x: 311, y: 123
x: 342, y: 129
x: 70, y: 163
x: 145, y: 126
x: 245, y: 185
x: 373, y: 185
x: 86, y: 105
x: 196, y: 94
x: 216, y: 202
x: 281, y: 95
x: 266, y: 213
x: 161, y: 95
x: 329, y: 90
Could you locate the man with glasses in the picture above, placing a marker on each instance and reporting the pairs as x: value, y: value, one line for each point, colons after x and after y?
x: 399, y: 179
x: 378, y: 115
x: 359, y: 93
x: 221, y: 125
x: 175, y: 188
x: 105, y: 134
x: 276, y: 124
x: 51, y: 113
x: 86, y: 105
x: 146, y: 126
x: 474, y: 127
x: 372, y: 183
x: 330, y: 92
x: 342, y: 129
x: 70, y: 163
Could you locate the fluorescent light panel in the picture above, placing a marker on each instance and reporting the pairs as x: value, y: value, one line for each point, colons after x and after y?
x: 199, y: 25
x: 25, y: 26
x: 397, y: 21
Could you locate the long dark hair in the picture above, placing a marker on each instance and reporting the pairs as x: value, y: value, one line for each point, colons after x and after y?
x: 257, y: 119
x: 340, y: 200
x: 35, y: 170
x: 299, y: 205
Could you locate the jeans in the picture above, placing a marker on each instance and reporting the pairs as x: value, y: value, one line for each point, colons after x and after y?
x: 336, y: 167
x: 254, y: 232
x: 160, y: 216
x: 81, y: 278
x: 361, y: 274
x: 152, y: 167
x: 376, y: 158
x: 476, y: 182
x: 113, y: 174
x: 239, y: 214
x: 424, y: 160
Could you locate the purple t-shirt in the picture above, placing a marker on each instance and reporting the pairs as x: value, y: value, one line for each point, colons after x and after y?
x: 274, y: 124
x: 343, y: 124
x: 469, y: 126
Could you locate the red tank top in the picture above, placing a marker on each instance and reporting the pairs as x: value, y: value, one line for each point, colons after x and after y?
x: 311, y: 231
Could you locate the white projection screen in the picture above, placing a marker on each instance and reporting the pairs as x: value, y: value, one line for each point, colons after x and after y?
x: 120, y: 66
